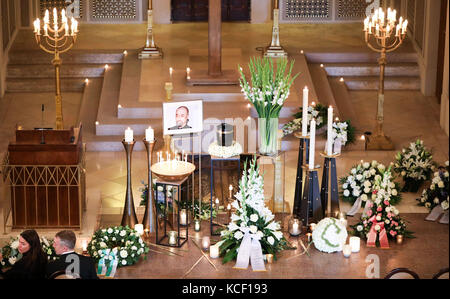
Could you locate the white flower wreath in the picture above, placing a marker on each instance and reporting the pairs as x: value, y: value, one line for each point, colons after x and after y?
x: 329, y: 235
x: 224, y: 151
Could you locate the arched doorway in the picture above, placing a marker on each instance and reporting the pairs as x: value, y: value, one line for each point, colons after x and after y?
x: 197, y: 10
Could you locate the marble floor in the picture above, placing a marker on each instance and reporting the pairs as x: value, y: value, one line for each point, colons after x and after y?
x: 409, y: 115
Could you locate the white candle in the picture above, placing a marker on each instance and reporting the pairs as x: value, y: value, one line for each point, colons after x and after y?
x: 139, y: 228
x: 129, y: 135
x: 173, y: 236
x: 84, y: 245
x: 149, y: 134
x: 214, y: 252
x: 197, y: 225
x: 355, y: 243
x: 312, y: 226
x: 205, y: 243
x: 330, y: 132
x: 305, y: 112
x: 170, y: 72
x: 347, y: 250
x: 312, y: 144
x: 183, y: 217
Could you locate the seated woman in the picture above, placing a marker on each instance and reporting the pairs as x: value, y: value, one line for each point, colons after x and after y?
x: 33, y: 262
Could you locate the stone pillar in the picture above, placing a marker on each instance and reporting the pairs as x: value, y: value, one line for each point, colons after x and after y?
x: 215, y: 38
x: 2, y: 58
x: 444, y: 98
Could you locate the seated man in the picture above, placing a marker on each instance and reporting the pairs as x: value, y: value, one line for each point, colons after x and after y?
x: 70, y: 262
x: 181, y: 118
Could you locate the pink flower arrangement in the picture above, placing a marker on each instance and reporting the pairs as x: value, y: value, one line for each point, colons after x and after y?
x: 386, y: 202
x: 379, y: 209
x: 369, y: 213
x: 393, y: 233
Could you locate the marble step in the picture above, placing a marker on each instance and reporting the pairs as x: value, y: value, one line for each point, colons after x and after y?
x: 365, y: 69
x: 360, y: 57
x: 44, y: 85
x: 47, y: 71
x: 71, y: 57
x: 391, y: 83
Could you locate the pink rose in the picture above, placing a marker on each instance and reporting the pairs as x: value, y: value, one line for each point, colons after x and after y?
x: 369, y: 213
x: 370, y: 205
x: 386, y: 202
x: 393, y: 233
x: 379, y: 209
x: 389, y: 215
x: 379, y: 215
x: 394, y: 223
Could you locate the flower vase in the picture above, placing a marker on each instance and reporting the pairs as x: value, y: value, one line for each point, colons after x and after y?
x: 268, y: 136
x: 412, y: 185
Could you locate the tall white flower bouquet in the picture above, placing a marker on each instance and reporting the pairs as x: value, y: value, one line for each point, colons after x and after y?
x: 251, y: 215
x: 268, y: 91
x: 438, y: 192
x: 415, y: 165
x: 361, y: 181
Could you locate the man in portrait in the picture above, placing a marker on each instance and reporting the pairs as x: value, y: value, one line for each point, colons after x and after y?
x: 181, y: 118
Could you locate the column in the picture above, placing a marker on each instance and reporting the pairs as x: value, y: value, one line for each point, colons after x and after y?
x: 215, y: 38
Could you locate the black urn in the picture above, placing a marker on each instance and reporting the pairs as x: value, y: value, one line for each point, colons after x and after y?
x: 225, y: 134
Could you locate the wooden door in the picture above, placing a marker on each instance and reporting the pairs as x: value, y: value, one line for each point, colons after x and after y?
x: 197, y: 10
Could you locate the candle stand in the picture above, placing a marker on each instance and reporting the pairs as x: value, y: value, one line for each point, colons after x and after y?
x: 329, y: 177
x: 303, y: 152
x: 149, y: 215
x: 213, y: 160
x: 170, y: 211
x: 129, y: 214
x: 311, y: 205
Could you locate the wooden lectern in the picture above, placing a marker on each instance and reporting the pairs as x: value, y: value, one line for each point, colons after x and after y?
x: 45, y: 172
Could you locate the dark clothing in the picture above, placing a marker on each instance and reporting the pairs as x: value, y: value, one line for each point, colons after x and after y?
x: 21, y: 270
x: 177, y: 128
x: 68, y: 261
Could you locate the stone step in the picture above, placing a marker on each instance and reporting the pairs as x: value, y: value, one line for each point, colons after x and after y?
x: 391, y: 83
x: 71, y: 57
x: 44, y: 85
x: 47, y: 71
x: 360, y: 57
x: 366, y: 69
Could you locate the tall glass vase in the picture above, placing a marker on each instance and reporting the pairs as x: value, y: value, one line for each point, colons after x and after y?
x: 268, y: 136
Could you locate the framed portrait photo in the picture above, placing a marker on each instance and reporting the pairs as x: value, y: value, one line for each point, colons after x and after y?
x: 183, y: 117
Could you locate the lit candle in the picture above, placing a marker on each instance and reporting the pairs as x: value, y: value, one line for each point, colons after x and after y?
x: 206, y: 243
x: 45, y: 29
x: 139, y: 228
x: 309, y: 237
x: 347, y: 250
x: 149, y: 134
x: 312, y: 144
x: 330, y: 132
x: 173, y: 238
x: 305, y: 112
x: 84, y: 245
x: 129, y: 135
x: 183, y: 217
x: 229, y: 210
x: 399, y: 239
x: 63, y: 16
x: 47, y: 17
x: 405, y: 25
x: 377, y: 29
x: 170, y: 73
x: 55, y: 17
x: 295, y: 227
x: 230, y: 188
x: 214, y: 252
x: 197, y: 225
x: 355, y: 243
x: 269, y: 258
x: 312, y: 226
x: 66, y: 28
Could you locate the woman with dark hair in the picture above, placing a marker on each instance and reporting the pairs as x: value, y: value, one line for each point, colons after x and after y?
x: 33, y: 262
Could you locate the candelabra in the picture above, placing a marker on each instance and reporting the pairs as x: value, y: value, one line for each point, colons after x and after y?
x: 129, y: 214
x: 275, y: 50
x: 148, y: 220
x: 56, y: 40
x: 150, y: 50
x: 383, y: 35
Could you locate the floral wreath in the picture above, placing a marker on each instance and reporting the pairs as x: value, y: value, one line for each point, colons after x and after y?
x: 11, y: 254
x: 122, y: 242
x: 438, y: 192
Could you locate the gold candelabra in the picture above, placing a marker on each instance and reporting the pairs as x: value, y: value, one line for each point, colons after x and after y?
x: 150, y: 49
x: 383, y: 35
x: 56, y: 39
x: 275, y: 50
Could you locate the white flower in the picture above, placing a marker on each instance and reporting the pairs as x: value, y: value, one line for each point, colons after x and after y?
x: 232, y: 226
x: 359, y: 228
x: 15, y: 244
x: 124, y: 262
x: 254, y: 217
x: 378, y: 218
x: 388, y: 209
x: 102, y: 244
x: 346, y: 193
x: 134, y: 248
x: 353, y: 171
x: 366, y: 190
x: 446, y: 174
x: 359, y: 177
x: 123, y: 254
x: 260, y: 234
x: 110, y: 230
x: 367, y: 184
x: 377, y: 227
x: 394, y: 192
x: 278, y: 235
x: 366, y: 165
x: 422, y: 199
x: 374, y: 163
x: 373, y: 171
x: 396, y: 212
x: 432, y: 187
x: 253, y: 229
x: 427, y: 205
x: 403, y: 173
x: 436, y: 200
x: 441, y: 184
x: 238, y: 235
x: 12, y: 260
x: 364, y: 197
x: 345, y: 186
x: 273, y: 226
x: 356, y: 193
x: 445, y: 205
x: 387, y: 221
x: 271, y: 240
x: 123, y: 233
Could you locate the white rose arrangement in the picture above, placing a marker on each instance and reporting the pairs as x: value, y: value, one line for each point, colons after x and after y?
x: 361, y: 180
x: 123, y: 242
x: 438, y: 192
x: 250, y: 213
x: 329, y: 235
x: 11, y: 254
x: 216, y: 150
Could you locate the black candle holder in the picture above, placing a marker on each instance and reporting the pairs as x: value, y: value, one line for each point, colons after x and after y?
x: 149, y: 215
x: 129, y: 214
x: 303, y: 155
x: 329, y: 177
x: 311, y: 205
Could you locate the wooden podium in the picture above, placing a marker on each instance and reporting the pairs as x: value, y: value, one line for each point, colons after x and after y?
x: 45, y: 172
